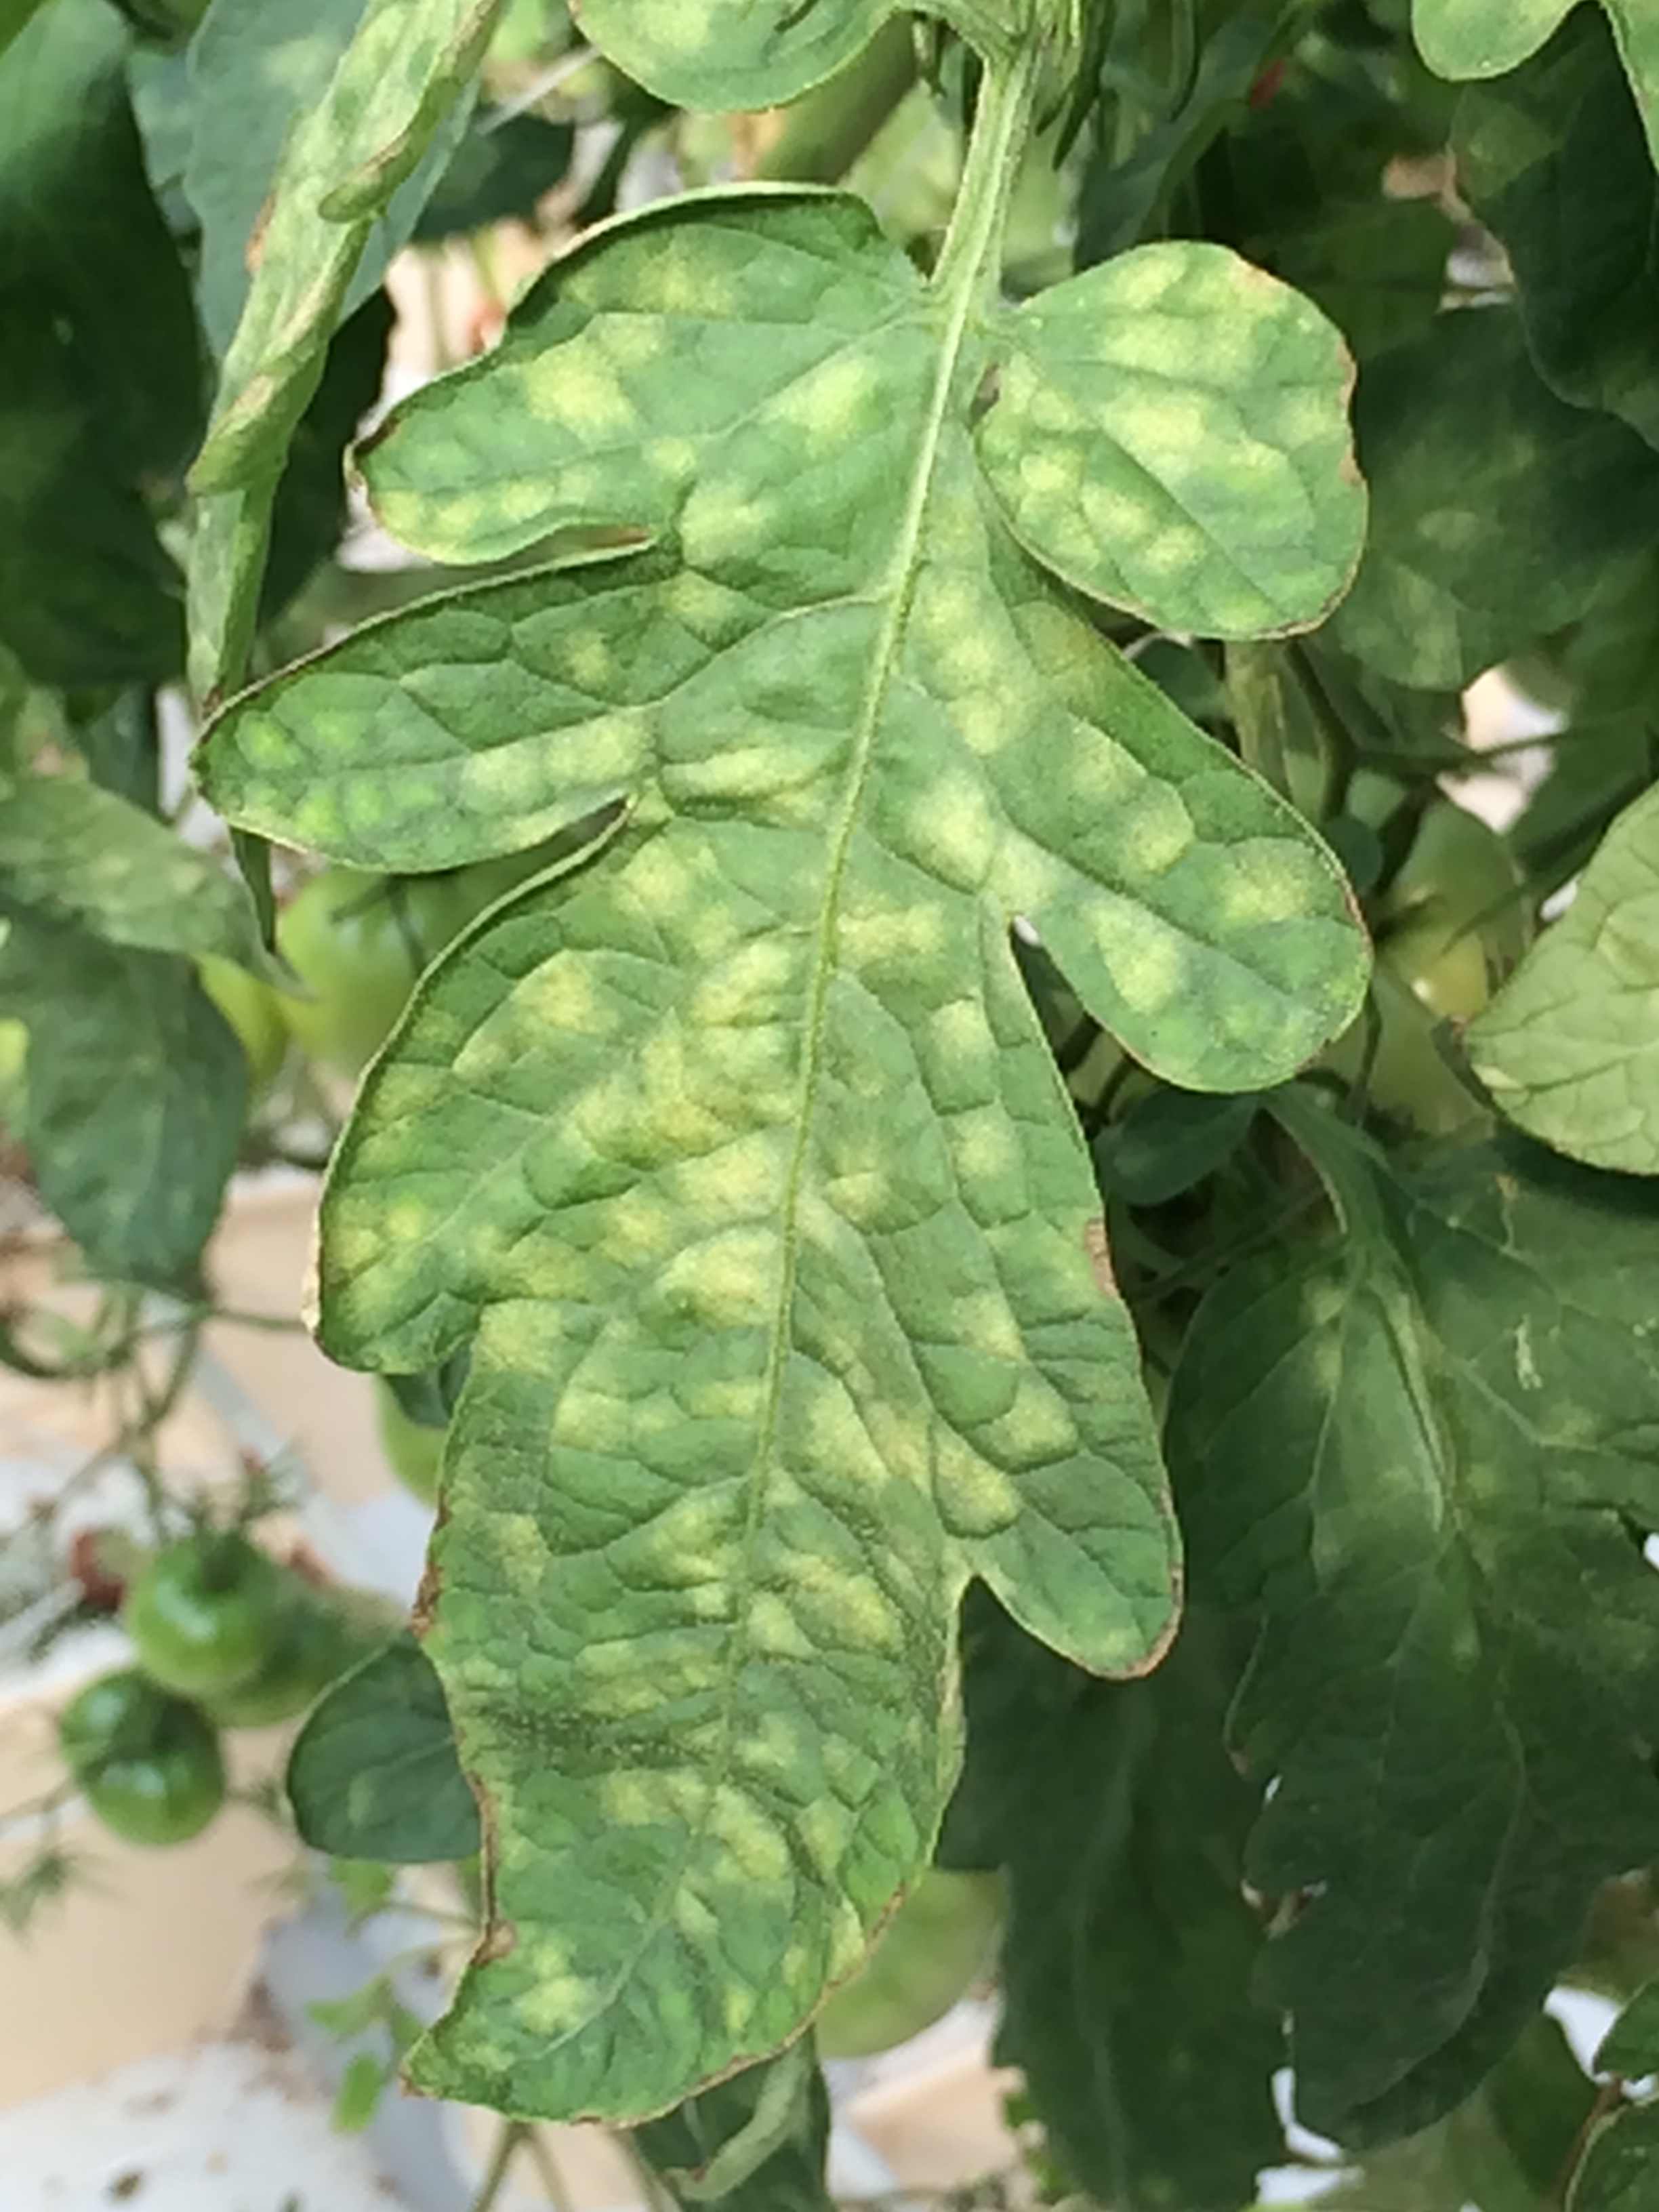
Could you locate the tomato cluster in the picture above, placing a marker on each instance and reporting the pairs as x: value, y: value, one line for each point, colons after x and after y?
x: 223, y: 1638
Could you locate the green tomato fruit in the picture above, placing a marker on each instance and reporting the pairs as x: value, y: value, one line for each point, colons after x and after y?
x: 149, y: 1765
x: 927, y: 1957
x: 358, y: 942
x: 318, y: 1635
x: 1457, y: 910
x: 413, y: 1452
x: 1409, y: 1078
x: 203, y: 1613
x: 253, y: 1010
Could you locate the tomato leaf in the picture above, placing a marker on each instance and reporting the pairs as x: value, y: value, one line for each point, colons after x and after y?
x: 136, y: 1093
x: 256, y: 68
x: 733, y: 53
x: 1631, y: 2045
x: 70, y: 851
x: 737, y: 1153
x: 1127, y: 1967
x: 1504, y: 2149
x: 1499, y: 513
x: 1208, y: 486
x: 1486, y: 38
x: 373, y: 1774
x: 1567, y: 1048
x: 1425, y: 1453
x: 1620, y: 2169
x: 100, y: 376
x: 408, y: 66
x: 756, y: 2144
x: 1553, y: 159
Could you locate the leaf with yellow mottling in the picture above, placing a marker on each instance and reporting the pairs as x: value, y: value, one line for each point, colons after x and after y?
x: 737, y: 1154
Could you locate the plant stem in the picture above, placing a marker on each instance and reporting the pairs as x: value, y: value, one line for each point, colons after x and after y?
x: 513, y: 2133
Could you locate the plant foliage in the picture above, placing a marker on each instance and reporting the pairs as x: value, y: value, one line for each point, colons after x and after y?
x: 1032, y: 1247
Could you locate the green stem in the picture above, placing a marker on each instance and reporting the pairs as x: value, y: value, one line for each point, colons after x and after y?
x: 512, y: 2135
x: 970, y: 259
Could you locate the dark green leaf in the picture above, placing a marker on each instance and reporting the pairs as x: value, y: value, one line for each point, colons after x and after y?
x: 1621, y: 2171
x: 1486, y: 38
x: 1425, y: 1453
x: 137, y: 1088
x: 374, y: 1774
x: 755, y: 2143
x: 1504, y: 2150
x: 308, y: 517
x: 1167, y: 1140
x: 1126, y: 1968
x: 1552, y: 158
x: 1498, y: 512
x: 99, y: 369
x: 499, y: 170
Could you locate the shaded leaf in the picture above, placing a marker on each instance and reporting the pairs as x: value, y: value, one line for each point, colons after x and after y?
x: 1552, y: 158
x: 1168, y: 1140
x: 1497, y: 511
x: 100, y: 375
x: 1425, y: 1453
x: 755, y: 2143
x: 1620, y: 2169
x: 72, y: 852
x: 1485, y: 38
x: 136, y: 1089
x: 373, y: 1773
x: 309, y: 517
x: 499, y: 170
x: 737, y: 1153
x: 1504, y: 2150
x: 1127, y: 1967
x: 1568, y: 1048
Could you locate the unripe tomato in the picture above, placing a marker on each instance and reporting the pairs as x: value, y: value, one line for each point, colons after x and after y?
x: 253, y: 1010
x: 1455, y: 920
x: 413, y: 1452
x: 316, y: 1635
x: 149, y: 1765
x: 203, y: 1613
x: 358, y: 942
x: 1408, y: 1077
x: 927, y: 1957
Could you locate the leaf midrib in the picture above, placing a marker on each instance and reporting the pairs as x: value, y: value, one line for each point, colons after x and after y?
x: 976, y: 240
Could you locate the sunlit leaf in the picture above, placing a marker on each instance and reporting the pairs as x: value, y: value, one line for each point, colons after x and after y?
x: 1569, y: 1048
x: 737, y: 1154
